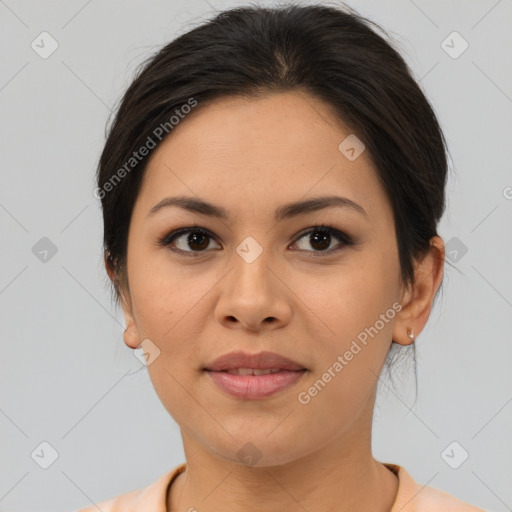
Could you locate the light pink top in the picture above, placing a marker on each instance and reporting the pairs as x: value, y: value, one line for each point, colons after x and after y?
x: 411, y: 496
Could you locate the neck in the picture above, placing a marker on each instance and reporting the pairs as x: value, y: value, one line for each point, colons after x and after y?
x: 334, y: 478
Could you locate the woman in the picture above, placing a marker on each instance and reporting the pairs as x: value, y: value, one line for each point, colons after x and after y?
x: 271, y: 187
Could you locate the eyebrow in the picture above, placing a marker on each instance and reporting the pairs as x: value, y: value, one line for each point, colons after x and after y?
x: 287, y: 211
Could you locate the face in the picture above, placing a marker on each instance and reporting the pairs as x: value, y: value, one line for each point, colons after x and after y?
x: 255, y: 282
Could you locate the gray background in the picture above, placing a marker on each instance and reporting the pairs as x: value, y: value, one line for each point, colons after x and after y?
x: 66, y: 376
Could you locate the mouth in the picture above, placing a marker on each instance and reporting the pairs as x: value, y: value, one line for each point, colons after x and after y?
x: 252, y: 371
x: 242, y: 361
x: 254, y: 376
x: 254, y: 384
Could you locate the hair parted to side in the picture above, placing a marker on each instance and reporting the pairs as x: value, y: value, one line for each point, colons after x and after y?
x: 329, y: 52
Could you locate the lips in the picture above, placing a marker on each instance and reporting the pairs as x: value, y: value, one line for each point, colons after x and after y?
x: 254, y: 376
x: 261, y: 361
x: 252, y: 371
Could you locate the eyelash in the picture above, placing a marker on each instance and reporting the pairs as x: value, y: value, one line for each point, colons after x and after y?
x: 169, y: 238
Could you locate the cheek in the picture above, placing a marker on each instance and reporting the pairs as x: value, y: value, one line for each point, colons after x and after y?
x: 169, y: 306
x: 352, y: 316
x: 351, y: 345
x: 162, y: 294
x: 352, y: 296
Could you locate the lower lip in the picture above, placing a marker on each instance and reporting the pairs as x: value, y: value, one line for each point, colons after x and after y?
x: 252, y: 387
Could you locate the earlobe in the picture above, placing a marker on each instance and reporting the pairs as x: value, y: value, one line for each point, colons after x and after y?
x: 131, y: 339
x: 407, y: 338
x: 415, y: 312
x: 130, y: 335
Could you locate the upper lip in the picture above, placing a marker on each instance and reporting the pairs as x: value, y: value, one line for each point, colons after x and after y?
x: 261, y: 361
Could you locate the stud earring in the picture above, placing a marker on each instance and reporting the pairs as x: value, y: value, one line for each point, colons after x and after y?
x: 410, y: 334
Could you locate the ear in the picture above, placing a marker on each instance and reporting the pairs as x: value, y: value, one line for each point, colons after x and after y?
x: 131, y: 334
x: 417, y: 300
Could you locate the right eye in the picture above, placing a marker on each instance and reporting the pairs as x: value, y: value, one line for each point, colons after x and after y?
x: 198, y: 240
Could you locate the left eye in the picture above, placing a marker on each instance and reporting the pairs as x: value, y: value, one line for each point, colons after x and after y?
x: 198, y: 239
x: 321, y: 237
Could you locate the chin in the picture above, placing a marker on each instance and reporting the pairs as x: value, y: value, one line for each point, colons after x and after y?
x: 260, y: 451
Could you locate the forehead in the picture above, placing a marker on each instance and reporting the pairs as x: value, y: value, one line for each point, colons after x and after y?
x: 253, y: 152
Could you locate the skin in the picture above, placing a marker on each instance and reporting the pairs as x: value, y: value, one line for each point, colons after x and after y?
x: 251, y: 156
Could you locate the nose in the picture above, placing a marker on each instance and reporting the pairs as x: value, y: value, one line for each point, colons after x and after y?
x: 254, y: 296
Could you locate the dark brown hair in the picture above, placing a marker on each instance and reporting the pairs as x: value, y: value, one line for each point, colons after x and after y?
x: 331, y: 53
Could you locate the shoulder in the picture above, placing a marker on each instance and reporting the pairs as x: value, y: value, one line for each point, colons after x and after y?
x: 413, y: 497
x: 148, y: 499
